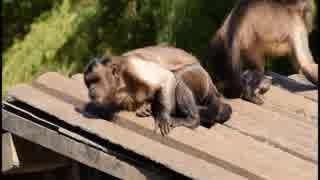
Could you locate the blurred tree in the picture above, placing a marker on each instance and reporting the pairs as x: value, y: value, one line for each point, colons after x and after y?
x: 47, y: 36
x: 17, y: 17
x: 62, y: 35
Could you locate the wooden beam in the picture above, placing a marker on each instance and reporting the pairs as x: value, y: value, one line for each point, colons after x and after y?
x: 10, y: 158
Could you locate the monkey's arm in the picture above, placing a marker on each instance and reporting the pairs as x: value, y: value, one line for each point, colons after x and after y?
x: 163, y: 105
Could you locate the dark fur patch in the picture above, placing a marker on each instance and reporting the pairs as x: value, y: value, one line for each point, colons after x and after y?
x: 186, y: 105
x: 90, y: 66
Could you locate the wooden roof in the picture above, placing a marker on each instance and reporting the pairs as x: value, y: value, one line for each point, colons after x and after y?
x: 277, y: 140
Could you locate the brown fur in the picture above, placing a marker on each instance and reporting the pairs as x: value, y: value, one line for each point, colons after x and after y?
x: 258, y: 28
x: 173, y: 87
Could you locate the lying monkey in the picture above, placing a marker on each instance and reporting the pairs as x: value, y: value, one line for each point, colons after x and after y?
x: 253, y: 30
x: 172, y: 80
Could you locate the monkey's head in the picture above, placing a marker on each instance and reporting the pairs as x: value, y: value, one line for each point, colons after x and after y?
x: 102, y: 78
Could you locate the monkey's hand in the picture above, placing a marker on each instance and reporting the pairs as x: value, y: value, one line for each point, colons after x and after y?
x: 164, y: 124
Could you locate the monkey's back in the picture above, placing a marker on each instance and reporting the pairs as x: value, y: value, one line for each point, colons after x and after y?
x: 197, y: 79
x: 169, y: 58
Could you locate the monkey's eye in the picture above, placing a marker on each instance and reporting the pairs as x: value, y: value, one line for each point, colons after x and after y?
x: 95, y: 80
x: 92, y: 79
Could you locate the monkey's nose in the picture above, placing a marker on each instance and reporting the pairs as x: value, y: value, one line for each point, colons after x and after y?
x: 92, y: 93
x: 92, y: 96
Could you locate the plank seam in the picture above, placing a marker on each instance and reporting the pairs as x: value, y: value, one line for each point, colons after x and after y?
x: 273, y: 144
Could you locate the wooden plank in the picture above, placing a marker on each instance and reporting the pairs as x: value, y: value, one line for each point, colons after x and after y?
x: 81, y: 93
x: 277, y: 98
x: 296, y: 106
x: 296, y: 84
x: 310, y: 94
x: 220, y: 141
x: 299, y: 139
x: 9, y: 156
x: 73, y: 149
x: 169, y: 157
x: 60, y: 129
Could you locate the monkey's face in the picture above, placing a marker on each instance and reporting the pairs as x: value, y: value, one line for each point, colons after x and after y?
x: 102, y: 81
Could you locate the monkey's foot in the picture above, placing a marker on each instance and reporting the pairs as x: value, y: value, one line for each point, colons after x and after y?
x: 224, y: 113
x: 255, y: 98
x: 144, y: 111
x: 264, y: 86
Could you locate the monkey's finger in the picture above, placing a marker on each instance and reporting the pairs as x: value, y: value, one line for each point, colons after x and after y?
x: 163, y: 128
x: 168, y: 128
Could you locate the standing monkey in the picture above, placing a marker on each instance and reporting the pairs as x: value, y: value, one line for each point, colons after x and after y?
x: 253, y: 30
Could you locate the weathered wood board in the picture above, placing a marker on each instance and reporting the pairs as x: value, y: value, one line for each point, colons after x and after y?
x: 296, y: 84
x: 248, y: 119
x: 259, y: 142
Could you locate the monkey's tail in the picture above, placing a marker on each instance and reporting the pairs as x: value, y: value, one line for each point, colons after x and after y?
x: 234, y: 88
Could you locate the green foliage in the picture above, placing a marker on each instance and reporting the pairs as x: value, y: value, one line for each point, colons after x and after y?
x: 61, y: 35
x: 38, y: 51
x: 17, y: 17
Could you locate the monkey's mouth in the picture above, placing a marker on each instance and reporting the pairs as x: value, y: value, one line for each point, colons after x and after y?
x: 93, y: 110
x: 101, y: 102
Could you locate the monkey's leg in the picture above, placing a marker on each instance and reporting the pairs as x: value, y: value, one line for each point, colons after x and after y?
x: 161, y: 114
x: 144, y: 110
x: 232, y: 81
x: 217, y: 111
x: 301, y: 52
x: 186, y: 107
